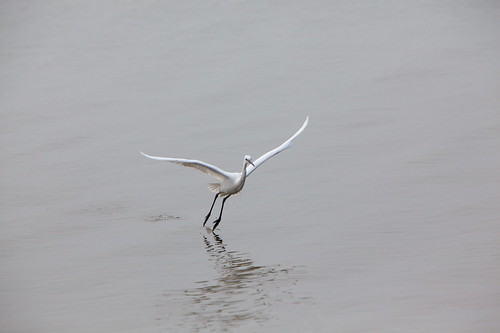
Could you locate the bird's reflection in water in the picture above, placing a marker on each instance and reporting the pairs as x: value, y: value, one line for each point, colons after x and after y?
x: 242, y: 292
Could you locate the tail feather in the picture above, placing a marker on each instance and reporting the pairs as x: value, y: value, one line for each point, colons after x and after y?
x: 214, y: 187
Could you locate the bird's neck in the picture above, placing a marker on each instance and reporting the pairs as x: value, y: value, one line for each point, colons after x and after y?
x: 244, y: 171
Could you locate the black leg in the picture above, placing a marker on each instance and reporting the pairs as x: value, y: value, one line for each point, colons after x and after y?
x: 216, y: 222
x: 210, y: 212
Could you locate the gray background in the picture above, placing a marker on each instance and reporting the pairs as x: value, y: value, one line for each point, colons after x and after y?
x: 383, y: 217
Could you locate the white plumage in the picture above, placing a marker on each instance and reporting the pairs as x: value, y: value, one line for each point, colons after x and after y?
x: 230, y: 182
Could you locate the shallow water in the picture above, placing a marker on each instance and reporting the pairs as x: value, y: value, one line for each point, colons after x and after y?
x: 383, y: 217
x: 241, y: 292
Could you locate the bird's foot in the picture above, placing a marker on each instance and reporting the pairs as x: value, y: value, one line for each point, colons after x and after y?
x: 216, y: 223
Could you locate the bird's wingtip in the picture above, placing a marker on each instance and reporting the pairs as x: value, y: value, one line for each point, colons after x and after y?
x: 305, y: 122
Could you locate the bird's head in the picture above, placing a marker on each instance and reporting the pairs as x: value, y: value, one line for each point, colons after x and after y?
x: 248, y: 158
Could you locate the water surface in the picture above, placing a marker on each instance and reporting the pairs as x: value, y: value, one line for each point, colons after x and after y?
x: 383, y: 217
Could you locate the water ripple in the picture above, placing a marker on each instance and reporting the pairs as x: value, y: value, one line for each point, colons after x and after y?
x: 242, y: 292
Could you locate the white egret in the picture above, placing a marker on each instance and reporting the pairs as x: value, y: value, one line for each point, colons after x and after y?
x: 231, y: 182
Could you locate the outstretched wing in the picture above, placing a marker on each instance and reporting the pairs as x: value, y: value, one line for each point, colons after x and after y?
x: 212, y: 170
x: 287, y: 144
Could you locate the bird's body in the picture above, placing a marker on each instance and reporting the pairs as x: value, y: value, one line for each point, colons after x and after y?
x: 231, y: 183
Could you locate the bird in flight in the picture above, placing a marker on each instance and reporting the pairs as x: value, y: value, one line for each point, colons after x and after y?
x: 230, y: 182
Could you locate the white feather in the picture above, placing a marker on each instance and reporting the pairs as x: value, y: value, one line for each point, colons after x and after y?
x: 231, y: 182
x: 210, y: 169
x: 285, y: 145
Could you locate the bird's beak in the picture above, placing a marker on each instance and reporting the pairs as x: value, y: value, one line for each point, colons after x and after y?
x: 250, y: 162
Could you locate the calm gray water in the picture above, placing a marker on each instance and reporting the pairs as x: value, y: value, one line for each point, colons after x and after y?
x: 383, y: 217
